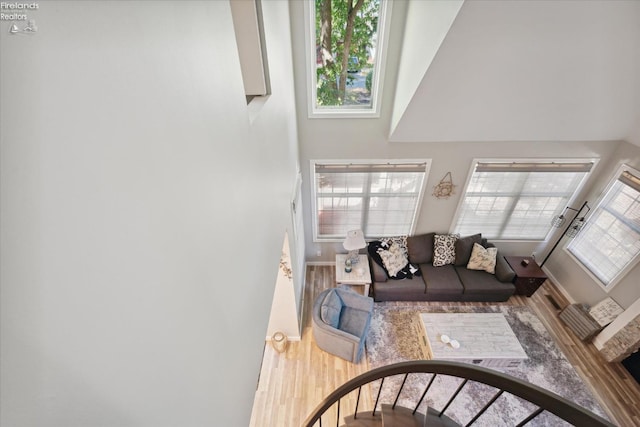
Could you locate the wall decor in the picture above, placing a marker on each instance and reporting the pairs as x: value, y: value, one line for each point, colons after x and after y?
x: 285, y: 266
x: 445, y: 187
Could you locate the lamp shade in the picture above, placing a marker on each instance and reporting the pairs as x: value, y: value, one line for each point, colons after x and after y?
x: 354, y: 240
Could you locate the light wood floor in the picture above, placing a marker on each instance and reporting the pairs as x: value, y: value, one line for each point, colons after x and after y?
x: 292, y: 383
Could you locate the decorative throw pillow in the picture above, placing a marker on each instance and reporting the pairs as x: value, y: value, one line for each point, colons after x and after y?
x: 483, y: 259
x: 377, y: 247
x: 605, y: 311
x: 331, y: 308
x: 464, y: 246
x: 420, y: 248
x: 401, y: 241
x: 394, y: 259
x: 444, y: 249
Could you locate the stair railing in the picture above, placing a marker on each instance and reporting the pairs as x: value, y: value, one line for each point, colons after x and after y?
x: 543, y: 399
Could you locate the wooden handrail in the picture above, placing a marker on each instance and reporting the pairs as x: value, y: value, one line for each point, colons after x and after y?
x: 544, y: 399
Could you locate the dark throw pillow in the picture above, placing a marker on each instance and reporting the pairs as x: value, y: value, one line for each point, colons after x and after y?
x: 464, y: 246
x: 420, y: 248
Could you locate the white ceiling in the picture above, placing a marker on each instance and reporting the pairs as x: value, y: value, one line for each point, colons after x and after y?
x: 531, y: 71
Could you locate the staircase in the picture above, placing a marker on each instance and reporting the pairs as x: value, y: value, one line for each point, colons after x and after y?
x: 389, y: 414
x: 399, y: 417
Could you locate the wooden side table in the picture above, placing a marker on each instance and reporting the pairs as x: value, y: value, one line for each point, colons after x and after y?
x: 528, y: 278
x: 360, y: 273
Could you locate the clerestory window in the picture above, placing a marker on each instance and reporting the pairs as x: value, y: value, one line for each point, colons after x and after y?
x: 345, y: 43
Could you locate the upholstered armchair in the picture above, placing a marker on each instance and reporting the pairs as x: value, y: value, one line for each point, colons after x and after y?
x: 340, y: 322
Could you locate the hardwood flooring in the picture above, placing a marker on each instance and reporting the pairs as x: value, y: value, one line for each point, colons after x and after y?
x: 292, y: 383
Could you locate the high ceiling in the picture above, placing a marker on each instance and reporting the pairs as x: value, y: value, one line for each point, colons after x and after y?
x: 530, y: 71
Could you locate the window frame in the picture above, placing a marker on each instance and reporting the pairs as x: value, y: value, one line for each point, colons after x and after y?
x: 384, y: 19
x: 632, y: 264
x: 314, y: 193
x: 472, y: 169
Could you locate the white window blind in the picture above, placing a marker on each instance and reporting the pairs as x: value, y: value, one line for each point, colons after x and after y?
x: 380, y: 199
x: 610, y: 240
x: 517, y: 200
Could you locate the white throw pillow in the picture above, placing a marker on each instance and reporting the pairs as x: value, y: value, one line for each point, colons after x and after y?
x: 605, y: 311
x: 394, y: 259
x: 483, y: 259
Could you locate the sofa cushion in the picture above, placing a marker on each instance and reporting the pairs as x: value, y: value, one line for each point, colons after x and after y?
x: 483, y: 259
x: 478, y: 282
x: 441, y: 280
x: 394, y: 259
x: 412, y: 289
x: 331, y: 308
x: 420, y: 248
x: 354, y: 321
x: 444, y: 249
x: 464, y: 246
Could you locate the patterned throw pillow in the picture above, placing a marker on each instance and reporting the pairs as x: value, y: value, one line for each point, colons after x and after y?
x: 401, y: 241
x: 444, y: 249
x: 394, y: 259
x: 483, y: 259
x: 376, y: 249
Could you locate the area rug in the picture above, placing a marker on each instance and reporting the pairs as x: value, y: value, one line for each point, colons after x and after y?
x: 394, y: 338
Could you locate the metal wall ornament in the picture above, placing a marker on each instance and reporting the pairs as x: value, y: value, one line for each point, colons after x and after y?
x: 445, y: 187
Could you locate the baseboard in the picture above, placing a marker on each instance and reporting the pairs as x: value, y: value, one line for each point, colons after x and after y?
x: 289, y: 338
x: 320, y: 263
x: 559, y: 286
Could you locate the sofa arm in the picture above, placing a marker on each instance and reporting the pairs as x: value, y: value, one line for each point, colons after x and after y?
x: 504, y: 272
x: 337, y: 342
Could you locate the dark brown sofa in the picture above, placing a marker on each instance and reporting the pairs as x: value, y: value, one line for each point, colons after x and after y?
x: 452, y: 282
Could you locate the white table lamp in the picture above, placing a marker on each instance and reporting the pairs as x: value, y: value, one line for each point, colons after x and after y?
x: 353, y: 243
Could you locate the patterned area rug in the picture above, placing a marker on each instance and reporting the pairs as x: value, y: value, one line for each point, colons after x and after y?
x: 395, y: 331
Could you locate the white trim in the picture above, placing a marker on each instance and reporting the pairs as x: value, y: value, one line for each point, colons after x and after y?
x: 320, y: 263
x: 632, y: 264
x: 289, y: 338
x: 312, y: 181
x: 475, y: 161
x: 384, y: 18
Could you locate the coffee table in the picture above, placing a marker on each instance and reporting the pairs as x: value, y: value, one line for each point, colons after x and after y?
x: 485, y: 339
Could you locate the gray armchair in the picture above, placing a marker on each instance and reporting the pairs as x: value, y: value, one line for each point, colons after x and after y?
x: 340, y: 322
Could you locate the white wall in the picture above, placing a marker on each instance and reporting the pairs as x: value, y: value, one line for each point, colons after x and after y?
x: 284, y: 316
x: 531, y: 70
x: 432, y: 20
x: 141, y: 214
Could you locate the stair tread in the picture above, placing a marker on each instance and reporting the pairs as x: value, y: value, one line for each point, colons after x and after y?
x: 398, y: 417
x: 365, y: 419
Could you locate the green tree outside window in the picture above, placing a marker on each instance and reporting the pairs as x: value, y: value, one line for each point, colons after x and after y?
x: 346, y: 33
